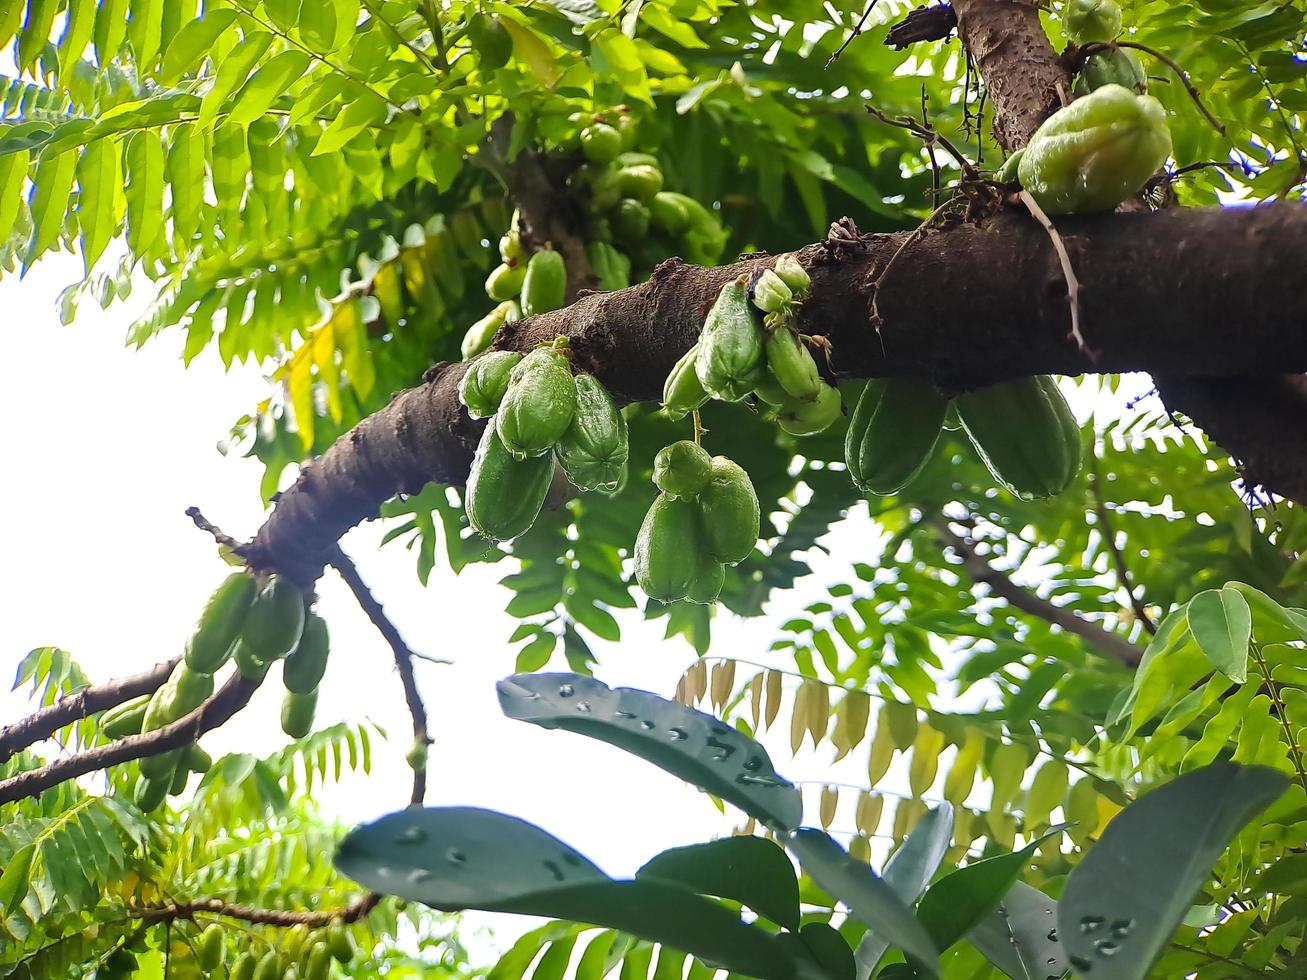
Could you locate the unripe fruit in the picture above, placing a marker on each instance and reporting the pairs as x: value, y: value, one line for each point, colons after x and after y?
x: 339, y: 941
x: 545, y: 287
x: 640, y: 181
x: 210, y: 948
x: 628, y: 127
x: 792, y: 273
x: 490, y: 40
x: 220, y: 623
x: 269, y: 967
x: 682, y: 469
x: 1025, y: 433
x: 243, y: 968
x: 247, y: 663
x: 416, y: 756
x: 504, y: 495
x: 149, y: 793
x: 538, y: 407
x: 483, y: 385
x: 124, y: 719
x: 631, y: 220
x: 894, y: 429
x: 806, y: 418
x: 318, y: 964
x: 730, y: 512
x: 593, y: 450
x: 1086, y: 21
x: 682, y: 392
x: 505, y: 282
x: 196, y: 759
x: 667, y: 212
x: 297, y: 713
x: 730, y: 361
x: 304, y: 668
x: 1115, y: 67
x: 668, y: 548
x: 275, y: 620
x: 708, y: 581
x: 793, y: 367
x: 771, y: 294
x: 600, y: 143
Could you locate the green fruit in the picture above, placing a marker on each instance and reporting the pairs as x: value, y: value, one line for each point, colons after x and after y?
x: 247, y: 663
x: 668, y: 548
x: 730, y: 513
x: 504, y: 495
x: 481, y: 334
x: 792, y: 273
x: 769, y: 391
x: 318, y: 964
x: 1093, y: 154
x: 275, y: 620
x: 731, y: 354
x: 708, y: 582
x: 304, y: 668
x: 667, y: 212
x: 537, y: 408
x: 297, y: 713
x: 177, y: 697
x: 640, y: 181
x: 490, y: 40
x: 545, y: 287
x: 602, y: 191
x: 243, y: 968
x: 1114, y: 67
x: 124, y: 719
x: 682, y: 392
x: 510, y: 245
x: 1025, y: 433
x: 600, y: 143
x: 416, y: 757
x: 149, y: 793
x: 292, y: 943
x: 339, y: 941
x: 894, y: 428
x: 806, y: 418
x: 611, y: 267
x: 291, y: 972
x: 792, y: 366
x: 220, y: 623
x: 682, y: 469
x: 210, y: 948
x: 1008, y: 173
x: 196, y: 759
x: 598, y: 230
x: 593, y: 450
x: 771, y: 294
x: 630, y: 158
x: 629, y: 128
x: 484, y: 384
x: 269, y: 967
x: 631, y: 221
x: 505, y: 282
x: 180, y: 777
x: 1086, y: 21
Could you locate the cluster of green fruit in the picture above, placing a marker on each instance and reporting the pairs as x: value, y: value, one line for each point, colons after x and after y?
x: 742, y: 354
x: 704, y: 518
x: 539, y: 414
x: 251, y: 625
x: 1101, y: 149
x: 538, y: 285
x: 303, y: 954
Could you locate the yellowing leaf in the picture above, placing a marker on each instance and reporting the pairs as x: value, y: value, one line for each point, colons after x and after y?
x: 830, y: 799
x: 300, y: 389
x: 925, y: 759
x: 529, y: 48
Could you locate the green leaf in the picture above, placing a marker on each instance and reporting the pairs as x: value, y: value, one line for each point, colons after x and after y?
x: 1222, y: 624
x: 266, y: 85
x: 13, y: 881
x: 186, y: 184
x: 318, y: 24
x: 144, y: 31
x: 110, y: 29
x: 1125, y: 899
x: 1020, y: 935
x: 53, y: 183
x: 98, y: 192
x: 194, y: 42
x: 687, y: 743
x: 232, y: 73
x: 750, y: 870
x: 36, y: 31
x: 367, y: 110
x: 77, y: 33
x: 145, y: 175
x: 457, y: 858
x: 13, y: 173
x: 869, y: 898
x: 624, y: 63
x: 579, y: 12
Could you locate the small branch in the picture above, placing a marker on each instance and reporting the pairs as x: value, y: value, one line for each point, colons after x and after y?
x: 1281, y: 714
x: 403, y: 660
x: 353, y: 912
x: 1105, y: 642
x: 879, y: 281
x: 1180, y: 73
x: 1122, y: 572
x: 1068, y: 273
x: 927, y: 134
x: 226, y: 540
x: 216, y: 711
x: 862, y: 22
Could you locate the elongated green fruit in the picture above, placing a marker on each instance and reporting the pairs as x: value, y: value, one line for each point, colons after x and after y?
x: 297, y: 713
x: 481, y: 334
x: 791, y: 365
x: 731, y: 357
x: 269, y: 967
x: 183, y: 692
x: 275, y: 620
x: 593, y: 450
x: 318, y: 964
x: 244, y: 967
x: 124, y: 719
x: 504, y: 495
x: 220, y: 623
x: 1086, y: 21
x: 196, y: 759
x: 1113, y: 67
x: 895, y: 426
x: 730, y: 513
x: 1091, y: 155
x: 545, y: 287
x: 246, y: 662
x: 708, y: 581
x: 668, y: 548
x: 641, y: 181
x: 538, y: 407
x: 611, y: 267
x: 1009, y: 173
x: 484, y: 384
x: 667, y: 212
x: 180, y: 777
x: 339, y: 941
x: 1025, y: 433
x: 490, y: 40
x: 304, y: 668
x: 682, y: 469
x: 600, y: 143
x: 771, y: 294
x: 806, y: 418
x: 505, y: 282
x: 209, y: 949
x: 682, y: 392
x: 149, y: 793
x: 793, y: 274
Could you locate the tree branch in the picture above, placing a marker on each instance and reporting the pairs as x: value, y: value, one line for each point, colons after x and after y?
x: 229, y: 699
x: 403, y: 660
x: 73, y: 707
x: 1102, y: 641
x: 355, y: 910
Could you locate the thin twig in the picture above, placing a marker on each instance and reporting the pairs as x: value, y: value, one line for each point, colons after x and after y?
x: 1068, y: 273
x: 879, y: 281
x: 1281, y: 713
x: 1180, y: 73
x: 355, y: 910
x: 862, y: 22
x: 928, y: 135
x: 403, y: 660
x: 1109, y: 536
x: 217, y: 710
x: 73, y: 707
x: 226, y: 540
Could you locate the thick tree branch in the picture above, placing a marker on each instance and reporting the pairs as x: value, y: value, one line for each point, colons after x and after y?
x: 355, y: 910
x: 1193, y: 292
x: 216, y: 711
x: 78, y: 705
x: 1102, y: 641
x: 403, y: 660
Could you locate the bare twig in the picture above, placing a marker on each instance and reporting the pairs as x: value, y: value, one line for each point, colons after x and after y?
x: 1103, y: 641
x: 355, y: 910
x: 879, y: 281
x: 48, y: 720
x: 217, y: 710
x: 1180, y: 73
x: 226, y: 540
x: 1109, y: 537
x: 862, y: 22
x: 924, y: 132
x: 1068, y: 273
x: 403, y: 660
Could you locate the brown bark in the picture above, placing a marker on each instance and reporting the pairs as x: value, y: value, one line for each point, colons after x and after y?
x: 1200, y: 293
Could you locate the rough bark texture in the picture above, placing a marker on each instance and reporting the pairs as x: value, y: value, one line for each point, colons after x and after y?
x: 1197, y: 293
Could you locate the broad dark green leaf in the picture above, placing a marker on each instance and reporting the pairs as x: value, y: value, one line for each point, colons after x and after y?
x: 687, y: 743
x: 1221, y: 623
x: 1126, y: 898
x: 1020, y: 936
x: 749, y: 870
